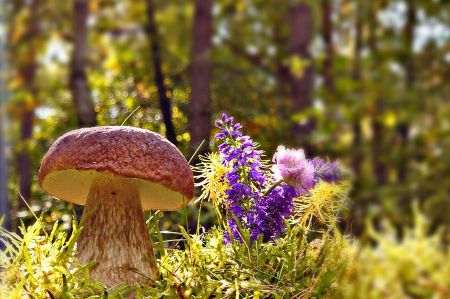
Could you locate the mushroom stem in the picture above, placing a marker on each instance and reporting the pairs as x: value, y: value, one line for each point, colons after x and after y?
x: 115, y: 235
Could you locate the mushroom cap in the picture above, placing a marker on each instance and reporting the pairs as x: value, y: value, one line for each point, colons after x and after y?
x: 158, y: 169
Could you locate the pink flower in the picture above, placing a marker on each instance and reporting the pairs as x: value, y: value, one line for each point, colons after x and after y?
x: 293, y: 167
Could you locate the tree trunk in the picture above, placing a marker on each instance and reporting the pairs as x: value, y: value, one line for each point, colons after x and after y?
x: 356, y: 75
x: 378, y: 155
x: 302, y: 86
x: 403, y: 126
x: 24, y: 160
x: 4, y: 201
x: 199, y: 105
x: 164, y: 101
x: 28, y: 72
x: 357, y: 207
x: 84, y: 106
x: 327, y: 35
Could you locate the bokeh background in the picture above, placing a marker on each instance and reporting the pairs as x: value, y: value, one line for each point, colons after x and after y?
x: 363, y: 82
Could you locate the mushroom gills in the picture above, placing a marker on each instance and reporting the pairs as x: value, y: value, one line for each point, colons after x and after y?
x: 115, y: 235
x: 72, y: 185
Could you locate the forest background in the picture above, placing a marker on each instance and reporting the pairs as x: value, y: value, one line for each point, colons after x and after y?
x: 364, y: 82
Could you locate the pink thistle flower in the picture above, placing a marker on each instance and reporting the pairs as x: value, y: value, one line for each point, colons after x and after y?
x: 293, y: 167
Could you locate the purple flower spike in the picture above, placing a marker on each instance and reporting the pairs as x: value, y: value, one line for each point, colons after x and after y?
x: 262, y: 215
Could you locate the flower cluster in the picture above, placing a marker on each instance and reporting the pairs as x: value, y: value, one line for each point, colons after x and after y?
x: 261, y: 214
x: 257, y: 199
x: 293, y: 167
x: 326, y: 171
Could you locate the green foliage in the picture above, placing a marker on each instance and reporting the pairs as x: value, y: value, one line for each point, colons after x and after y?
x: 307, y: 262
x: 37, y: 264
x: 41, y: 264
x: 415, y: 265
x: 289, y: 267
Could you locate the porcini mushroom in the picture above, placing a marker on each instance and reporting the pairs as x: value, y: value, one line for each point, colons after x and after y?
x: 117, y: 172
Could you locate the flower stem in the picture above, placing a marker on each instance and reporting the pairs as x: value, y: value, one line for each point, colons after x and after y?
x: 273, y: 187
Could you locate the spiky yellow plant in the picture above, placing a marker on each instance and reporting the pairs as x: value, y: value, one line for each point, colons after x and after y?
x: 40, y: 264
x: 210, y: 176
x: 322, y: 204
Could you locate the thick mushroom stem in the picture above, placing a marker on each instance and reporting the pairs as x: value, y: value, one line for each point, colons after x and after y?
x: 115, y: 235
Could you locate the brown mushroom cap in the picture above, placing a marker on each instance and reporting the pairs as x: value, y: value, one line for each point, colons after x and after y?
x: 158, y: 169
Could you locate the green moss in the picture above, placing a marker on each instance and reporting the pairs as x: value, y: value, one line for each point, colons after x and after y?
x: 39, y: 264
x: 416, y: 265
x: 43, y: 265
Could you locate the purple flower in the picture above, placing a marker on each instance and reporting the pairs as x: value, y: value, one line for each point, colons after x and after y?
x: 262, y: 215
x: 258, y: 201
x: 293, y: 167
x: 232, y: 225
x: 327, y: 171
x: 272, y: 210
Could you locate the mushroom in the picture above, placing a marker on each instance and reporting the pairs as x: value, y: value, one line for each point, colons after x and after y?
x: 117, y: 172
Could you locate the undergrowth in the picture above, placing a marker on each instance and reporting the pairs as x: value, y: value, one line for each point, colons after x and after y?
x: 414, y: 265
x: 40, y: 264
x: 37, y: 264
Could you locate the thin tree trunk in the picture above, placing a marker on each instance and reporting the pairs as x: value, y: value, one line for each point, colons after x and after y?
x: 300, y: 40
x: 199, y: 105
x: 357, y: 208
x: 327, y: 35
x: 282, y: 73
x: 378, y: 155
x: 10, y: 42
x: 411, y: 21
x: 4, y: 201
x: 403, y: 126
x: 25, y: 162
x: 164, y: 101
x: 84, y: 106
x: 28, y: 72
x: 356, y: 75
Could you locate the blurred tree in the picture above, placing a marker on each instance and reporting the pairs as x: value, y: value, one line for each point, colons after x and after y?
x: 199, y: 105
x: 327, y: 35
x: 302, y: 78
x: 403, y: 127
x: 4, y: 200
x: 356, y: 76
x: 164, y: 102
x: 357, y: 206
x: 261, y: 68
x: 81, y: 94
x: 28, y: 47
x: 378, y: 152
